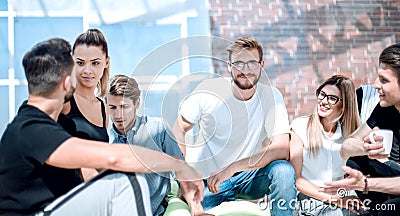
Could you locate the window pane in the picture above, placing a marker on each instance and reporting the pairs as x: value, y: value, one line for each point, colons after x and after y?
x: 3, y: 108
x: 21, y: 94
x: 4, y: 48
x: 135, y: 44
x: 3, y: 5
x: 39, y: 29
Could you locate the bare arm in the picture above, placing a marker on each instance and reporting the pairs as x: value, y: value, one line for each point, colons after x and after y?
x: 308, y: 188
x: 385, y: 185
x: 180, y: 128
x: 77, y: 153
x: 355, y: 181
x: 354, y: 144
x: 296, y: 158
x: 277, y: 149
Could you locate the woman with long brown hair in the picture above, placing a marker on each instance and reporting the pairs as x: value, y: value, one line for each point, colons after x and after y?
x: 315, y: 147
x: 86, y: 107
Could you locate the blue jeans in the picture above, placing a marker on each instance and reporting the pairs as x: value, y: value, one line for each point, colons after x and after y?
x: 393, y: 165
x: 311, y: 206
x: 277, y: 180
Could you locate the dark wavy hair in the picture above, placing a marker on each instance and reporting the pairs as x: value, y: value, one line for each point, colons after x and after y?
x: 391, y: 57
x: 46, y: 64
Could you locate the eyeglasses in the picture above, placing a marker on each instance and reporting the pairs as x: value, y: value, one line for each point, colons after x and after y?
x: 332, y: 99
x: 252, y: 65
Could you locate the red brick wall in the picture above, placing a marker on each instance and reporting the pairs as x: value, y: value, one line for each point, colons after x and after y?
x: 306, y: 41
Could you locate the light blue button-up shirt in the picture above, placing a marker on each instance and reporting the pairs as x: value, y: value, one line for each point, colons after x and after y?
x: 150, y: 132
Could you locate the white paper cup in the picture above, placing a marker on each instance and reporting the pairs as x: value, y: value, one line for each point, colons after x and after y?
x: 387, y: 139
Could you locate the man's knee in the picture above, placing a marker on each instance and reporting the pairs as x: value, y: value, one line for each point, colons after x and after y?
x: 282, y: 169
x: 127, y: 189
x: 127, y: 194
x: 134, y: 181
x: 355, y: 162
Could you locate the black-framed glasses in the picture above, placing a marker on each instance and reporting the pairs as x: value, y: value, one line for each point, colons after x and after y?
x: 332, y: 99
x: 252, y: 65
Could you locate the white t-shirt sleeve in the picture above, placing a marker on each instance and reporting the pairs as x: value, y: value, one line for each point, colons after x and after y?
x: 299, y: 127
x: 369, y: 101
x: 190, y: 108
x: 278, y: 120
x: 207, y: 94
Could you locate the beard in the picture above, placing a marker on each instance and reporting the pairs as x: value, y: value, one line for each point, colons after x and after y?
x: 68, y: 96
x: 245, y: 86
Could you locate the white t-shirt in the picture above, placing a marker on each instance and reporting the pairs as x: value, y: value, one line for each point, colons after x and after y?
x: 327, y: 166
x: 369, y: 101
x: 230, y: 129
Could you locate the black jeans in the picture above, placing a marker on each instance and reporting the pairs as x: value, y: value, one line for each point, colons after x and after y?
x: 377, y: 169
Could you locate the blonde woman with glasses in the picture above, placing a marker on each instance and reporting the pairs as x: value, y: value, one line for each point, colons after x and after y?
x: 315, y: 147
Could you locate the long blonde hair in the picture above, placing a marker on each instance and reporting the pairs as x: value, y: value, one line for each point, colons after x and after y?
x: 348, y: 118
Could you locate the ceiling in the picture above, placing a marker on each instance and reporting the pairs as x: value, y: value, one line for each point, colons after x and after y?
x: 99, y: 12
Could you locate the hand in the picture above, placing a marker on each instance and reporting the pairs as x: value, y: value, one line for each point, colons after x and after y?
x: 196, y: 209
x: 354, y: 181
x: 374, y: 149
x: 218, y: 177
x: 352, y: 203
x: 192, y: 183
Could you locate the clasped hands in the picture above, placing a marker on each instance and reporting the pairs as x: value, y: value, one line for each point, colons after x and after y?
x: 374, y: 150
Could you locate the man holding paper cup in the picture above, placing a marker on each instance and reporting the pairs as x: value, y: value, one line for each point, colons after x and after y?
x: 373, y: 160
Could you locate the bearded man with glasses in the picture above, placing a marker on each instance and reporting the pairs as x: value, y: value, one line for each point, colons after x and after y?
x: 242, y: 145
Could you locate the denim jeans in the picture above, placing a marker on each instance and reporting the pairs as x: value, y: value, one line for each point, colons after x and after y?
x: 314, y: 207
x: 277, y: 180
x: 393, y: 165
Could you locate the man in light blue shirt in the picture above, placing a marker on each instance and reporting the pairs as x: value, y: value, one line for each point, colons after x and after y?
x: 123, y: 99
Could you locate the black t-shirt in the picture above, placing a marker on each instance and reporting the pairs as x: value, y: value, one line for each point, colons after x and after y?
x: 27, y: 184
x: 387, y: 118
x: 359, y: 93
x: 84, y: 128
